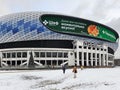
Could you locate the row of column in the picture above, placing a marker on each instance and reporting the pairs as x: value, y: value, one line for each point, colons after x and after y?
x: 100, y: 60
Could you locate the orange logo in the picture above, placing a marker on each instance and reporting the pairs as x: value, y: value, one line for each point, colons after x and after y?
x: 92, y: 30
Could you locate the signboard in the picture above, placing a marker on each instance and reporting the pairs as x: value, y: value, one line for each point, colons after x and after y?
x: 77, y: 26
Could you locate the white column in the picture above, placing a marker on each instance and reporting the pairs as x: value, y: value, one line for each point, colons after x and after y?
x: 82, y: 58
x: 91, y: 59
x: 56, y: 62
x: 16, y: 63
x: 103, y: 59
x: 1, y: 58
x: 99, y: 59
x: 77, y: 57
x: 107, y: 59
x: 28, y: 56
x: 87, y: 58
x: 113, y: 60
x: 95, y: 59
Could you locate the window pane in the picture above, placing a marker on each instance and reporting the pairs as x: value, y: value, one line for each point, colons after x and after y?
x: 65, y: 55
x: 59, y: 54
x: 36, y: 54
x: 42, y: 54
x: 24, y: 54
x: 80, y: 55
x: 4, y: 55
x: 13, y: 55
x: 54, y: 54
x: 84, y: 55
x: 8, y: 55
x: 18, y: 54
x: 48, y: 54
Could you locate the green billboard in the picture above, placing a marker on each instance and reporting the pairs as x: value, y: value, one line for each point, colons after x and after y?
x: 77, y: 26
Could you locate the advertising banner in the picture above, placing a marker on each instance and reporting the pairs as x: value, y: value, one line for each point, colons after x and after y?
x: 77, y: 26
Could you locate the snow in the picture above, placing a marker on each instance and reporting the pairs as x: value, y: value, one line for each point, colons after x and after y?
x: 87, y: 79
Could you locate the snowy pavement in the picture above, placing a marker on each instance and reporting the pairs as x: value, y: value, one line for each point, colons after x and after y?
x: 87, y: 79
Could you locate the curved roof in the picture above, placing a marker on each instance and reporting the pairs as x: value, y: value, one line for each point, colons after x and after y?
x: 27, y: 26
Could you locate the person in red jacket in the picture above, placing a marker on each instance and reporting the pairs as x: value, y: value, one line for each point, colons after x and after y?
x: 75, y: 71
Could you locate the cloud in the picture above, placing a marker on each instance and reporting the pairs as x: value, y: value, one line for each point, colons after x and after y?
x: 3, y: 8
x: 98, y: 10
x: 115, y: 23
x: 61, y: 6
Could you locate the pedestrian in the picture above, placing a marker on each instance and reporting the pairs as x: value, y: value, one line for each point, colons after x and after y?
x: 75, y: 71
x: 63, y: 68
x: 81, y: 67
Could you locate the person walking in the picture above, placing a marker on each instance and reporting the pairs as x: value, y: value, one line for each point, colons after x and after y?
x: 63, y: 68
x: 81, y: 67
x: 75, y: 71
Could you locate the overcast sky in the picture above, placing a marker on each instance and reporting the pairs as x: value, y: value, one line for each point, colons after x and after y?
x: 103, y: 11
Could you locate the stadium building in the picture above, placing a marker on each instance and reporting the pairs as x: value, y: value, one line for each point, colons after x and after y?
x: 41, y: 40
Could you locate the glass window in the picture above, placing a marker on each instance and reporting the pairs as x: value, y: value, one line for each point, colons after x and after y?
x: 97, y: 55
x: 59, y: 54
x: 42, y: 54
x: 89, y: 47
x: 101, y: 56
x: 48, y: 54
x: 37, y: 54
x: 60, y: 62
x: 65, y: 55
x: 85, y: 56
x: 54, y: 62
x: 97, y: 48
x: 54, y: 54
x: 24, y: 54
x: 93, y: 55
x: 8, y: 62
x: 48, y: 62
x: 18, y: 62
x: 8, y: 55
x: 105, y: 56
x: 80, y: 55
x: 13, y: 63
x: 4, y: 55
x: 85, y: 47
x: 93, y: 48
x: 13, y: 55
x: 89, y: 56
x: 19, y: 54
x: 42, y: 62
x: 75, y: 47
x: 80, y: 46
x: 75, y: 55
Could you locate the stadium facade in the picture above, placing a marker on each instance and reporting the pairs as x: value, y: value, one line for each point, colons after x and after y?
x: 40, y: 40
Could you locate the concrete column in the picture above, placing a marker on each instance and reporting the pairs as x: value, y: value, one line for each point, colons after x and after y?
x: 95, y: 59
x: 107, y: 59
x: 57, y: 62
x: 87, y: 58
x: 16, y: 63
x: 103, y: 59
x: 0, y: 59
x: 77, y: 58
x: 91, y: 59
x: 99, y: 59
x: 28, y: 56
x: 82, y: 58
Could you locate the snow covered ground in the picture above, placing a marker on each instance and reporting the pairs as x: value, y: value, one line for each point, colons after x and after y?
x: 87, y: 79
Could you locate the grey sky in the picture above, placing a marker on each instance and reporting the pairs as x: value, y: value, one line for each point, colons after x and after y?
x: 103, y: 11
